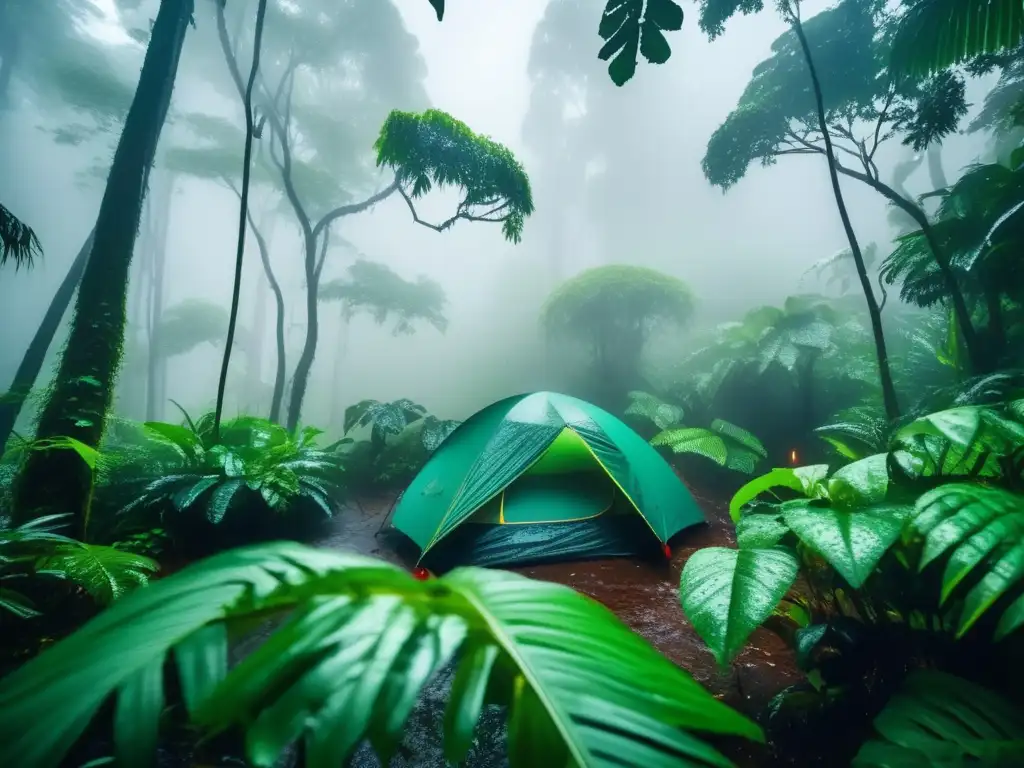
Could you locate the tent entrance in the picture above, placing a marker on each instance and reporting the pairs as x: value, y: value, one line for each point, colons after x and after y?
x: 564, y: 484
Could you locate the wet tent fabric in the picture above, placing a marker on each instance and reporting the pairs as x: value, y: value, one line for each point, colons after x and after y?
x: 547, y: 459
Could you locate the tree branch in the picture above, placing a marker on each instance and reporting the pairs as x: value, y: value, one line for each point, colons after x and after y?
x: 883, y: 118
x: 348, y: 210
x: 283, y: 162
x: 462, y: 212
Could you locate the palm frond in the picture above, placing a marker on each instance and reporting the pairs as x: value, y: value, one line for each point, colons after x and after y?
x: 18, y: 242
x: 935, y: 34
x: 361, y: 640
x: 939, y: 719
x: 973, y: 529
x: 105, y: 573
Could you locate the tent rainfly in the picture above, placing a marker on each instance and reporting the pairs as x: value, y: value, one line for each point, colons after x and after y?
x: 542, y: 477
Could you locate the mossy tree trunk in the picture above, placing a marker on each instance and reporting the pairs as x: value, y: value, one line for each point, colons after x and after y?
x: 57, y: 480
x: 35, y: 356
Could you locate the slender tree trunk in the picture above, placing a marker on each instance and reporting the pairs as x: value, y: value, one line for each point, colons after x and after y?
x: 305, y: 364
x: 963, y: 315
x: 279, y: 321
x: 156, y: 380
x: 57, y: 480
x: 935, y: 170
x: 261, y: 12
x: 254, y: 344
x: 337, y: 411
x: 996, y: 341
x: 35, y: 356
x: 892, y: 410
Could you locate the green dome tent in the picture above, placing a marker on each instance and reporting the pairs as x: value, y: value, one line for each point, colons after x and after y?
x: 542, y: 477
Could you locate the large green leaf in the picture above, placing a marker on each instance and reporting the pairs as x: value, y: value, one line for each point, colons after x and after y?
x: 632, y: 27
x: 739, y: 436
x: 860, y: 483
x: 698, y: 440
x: 974, y: 527
x: 940, y: 720
x: 760, y: 530
x: 934, y: 34
x: 808, y: 481
x: 645, y: 405
x: 852, y: 541
x: 361, y: 640
x: 728, y: 593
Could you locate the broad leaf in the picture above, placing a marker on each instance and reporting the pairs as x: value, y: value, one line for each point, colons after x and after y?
x: 438, y: 6
x: 940, y: 720
x: 727, y: 593
x: 851, y: 541
x: 361, y: 640
x: 761, y: 530
x: 632, y: 27
x: 807, y: 481
x: 860, y: 483
x: 645, y: 405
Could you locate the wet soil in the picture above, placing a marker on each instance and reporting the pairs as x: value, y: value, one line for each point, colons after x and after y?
x: 644, y: 595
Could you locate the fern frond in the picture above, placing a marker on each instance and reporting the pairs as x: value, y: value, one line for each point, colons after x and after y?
x: 975, y: 529
x: 18, y: 243
x: 105, y: 573
x: 938, y: 719
x: 651, y: 407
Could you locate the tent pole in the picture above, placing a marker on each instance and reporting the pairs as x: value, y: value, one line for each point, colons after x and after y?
x: 391, y: 510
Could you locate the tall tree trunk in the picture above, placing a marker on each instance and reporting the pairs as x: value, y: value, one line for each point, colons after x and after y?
x: 156, y: 380
x: 979, y: 363
x: 996, y: 341
x: 250, y: 125
x: 936, y: 172
x: 337, y: 411
x: 279, y: 318
x: 254, y: 344
x: 892, y: 409
x: 34, y: 357
x: 305, y: 364
x: 57, y: 480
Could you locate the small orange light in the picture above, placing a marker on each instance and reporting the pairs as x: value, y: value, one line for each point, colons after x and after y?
x: 792, y: 457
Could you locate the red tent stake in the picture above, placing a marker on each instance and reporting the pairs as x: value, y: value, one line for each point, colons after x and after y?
x: 420, y: 573
x: 667, y: 550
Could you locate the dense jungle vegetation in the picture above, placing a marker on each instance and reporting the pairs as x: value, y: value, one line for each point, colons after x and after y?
x: 869, y: 432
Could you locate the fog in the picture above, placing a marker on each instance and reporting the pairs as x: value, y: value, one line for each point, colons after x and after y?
x: 736, y: 250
